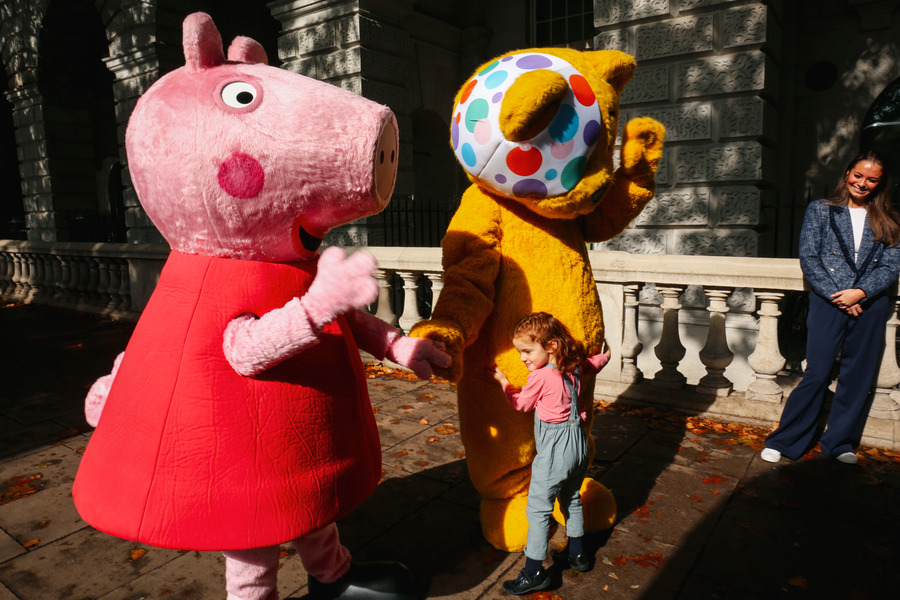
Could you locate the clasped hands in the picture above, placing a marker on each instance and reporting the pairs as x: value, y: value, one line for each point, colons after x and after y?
x: 848, y: 301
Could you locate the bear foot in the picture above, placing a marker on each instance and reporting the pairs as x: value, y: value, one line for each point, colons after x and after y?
x: 504, y: 524
x: 599, y: 507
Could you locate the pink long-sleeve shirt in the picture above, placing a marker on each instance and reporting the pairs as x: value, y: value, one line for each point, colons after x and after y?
x: 546, y: 391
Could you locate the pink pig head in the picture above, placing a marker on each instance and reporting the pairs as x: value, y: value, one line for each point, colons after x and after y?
x: 235, y: 158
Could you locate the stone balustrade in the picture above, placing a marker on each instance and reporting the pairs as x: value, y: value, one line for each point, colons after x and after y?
x: 691, y: 333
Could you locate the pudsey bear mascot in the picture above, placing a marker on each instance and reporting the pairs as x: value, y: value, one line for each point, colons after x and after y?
x: 238, y: 417
x: 535, y: 130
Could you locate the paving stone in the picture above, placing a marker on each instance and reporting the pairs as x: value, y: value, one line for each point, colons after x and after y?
x: 421, y: 404
x: 5, y: 594
x: 202, y: 575
x: 438, y: 446
x: 87, y: 564
x: 677, y: 508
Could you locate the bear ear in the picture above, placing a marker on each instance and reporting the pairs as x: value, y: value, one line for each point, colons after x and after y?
x: 202, y: 42
x: 613, y: 66
x: 246, y: 50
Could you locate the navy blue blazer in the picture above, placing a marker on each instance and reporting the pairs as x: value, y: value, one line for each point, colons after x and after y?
x: 827, y: 249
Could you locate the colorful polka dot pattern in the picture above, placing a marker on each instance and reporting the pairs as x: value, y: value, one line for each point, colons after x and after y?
x: 549, y: 164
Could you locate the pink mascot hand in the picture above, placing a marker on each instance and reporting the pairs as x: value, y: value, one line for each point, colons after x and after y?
x: 253, y: 344
x: 342, y: 283
x: 418, y: 354
x: 96, y: 396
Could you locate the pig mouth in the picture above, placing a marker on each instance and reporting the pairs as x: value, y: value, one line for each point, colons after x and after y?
x: 309, y: 241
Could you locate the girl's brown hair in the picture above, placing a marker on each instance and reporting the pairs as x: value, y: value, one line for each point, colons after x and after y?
x: 543, y: 328
x: 883, y: 219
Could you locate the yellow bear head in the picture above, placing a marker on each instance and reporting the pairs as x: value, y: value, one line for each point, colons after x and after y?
x: 539, y: 126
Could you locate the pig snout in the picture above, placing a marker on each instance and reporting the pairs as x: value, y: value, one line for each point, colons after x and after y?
x: 385, y: 161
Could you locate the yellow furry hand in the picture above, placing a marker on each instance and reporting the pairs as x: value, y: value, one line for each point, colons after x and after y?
x: 442, y: 330
x: 642, y: 145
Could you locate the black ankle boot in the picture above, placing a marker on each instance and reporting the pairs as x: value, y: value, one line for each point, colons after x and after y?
x: 368, y: 581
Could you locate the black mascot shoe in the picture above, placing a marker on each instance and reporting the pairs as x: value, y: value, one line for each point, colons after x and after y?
x: 525, y: 583
x: 368, y: 581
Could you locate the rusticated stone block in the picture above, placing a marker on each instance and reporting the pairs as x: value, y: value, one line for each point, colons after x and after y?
x: 745, y: 25
x: 649, y: 84
x: 684, y: 122
x: 742, y: 117
x: 727, y: 162
x: 637, y: 243
x: 742, y: 72
x: 737, y: 205
x: 616, y: 12
x: 614, y: 39
x: 676, y: 207
x: 308, y: 40
x: 717, y: 243
x: 675, y: 37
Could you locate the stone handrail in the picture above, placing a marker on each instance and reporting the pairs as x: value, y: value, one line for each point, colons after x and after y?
x: 697, y: 334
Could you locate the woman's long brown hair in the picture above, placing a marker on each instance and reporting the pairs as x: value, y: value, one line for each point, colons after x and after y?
x: 543, y: 328
x: 883, y: 219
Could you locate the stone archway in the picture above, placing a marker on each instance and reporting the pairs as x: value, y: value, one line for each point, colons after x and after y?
x: 79, y: 124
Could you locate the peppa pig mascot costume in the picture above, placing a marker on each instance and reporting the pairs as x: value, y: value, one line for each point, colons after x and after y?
x: 237, y: 418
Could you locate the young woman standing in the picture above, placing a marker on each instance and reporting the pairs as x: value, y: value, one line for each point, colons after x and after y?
x: 850, y: 258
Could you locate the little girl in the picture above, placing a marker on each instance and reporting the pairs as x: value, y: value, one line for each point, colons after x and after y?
x: 556, y: 363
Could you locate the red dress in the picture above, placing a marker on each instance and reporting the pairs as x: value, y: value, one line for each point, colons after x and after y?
x: 190, y: 455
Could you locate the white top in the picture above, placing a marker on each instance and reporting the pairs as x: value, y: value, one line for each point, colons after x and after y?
x: 858, y: 217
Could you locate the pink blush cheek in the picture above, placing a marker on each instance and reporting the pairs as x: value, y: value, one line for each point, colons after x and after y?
x: 241, y: 176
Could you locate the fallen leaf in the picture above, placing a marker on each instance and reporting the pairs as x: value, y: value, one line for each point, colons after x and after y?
x: 443, y: 430
x: 402, y: 453
x: 798, y: 582
x: 423, y: 422
x: 136, y: 553
x: 31, y: 544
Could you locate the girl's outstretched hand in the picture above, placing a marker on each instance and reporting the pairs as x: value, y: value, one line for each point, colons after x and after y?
x: 499, y: 375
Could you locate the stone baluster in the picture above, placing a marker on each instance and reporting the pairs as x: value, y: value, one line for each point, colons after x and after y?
x: 123, y: 293
x: 54, y: 275
x: 28, y: 287
x: 104, y: 295
x: 766, y: 359
x: 19, y: 276
x: 669, y: 350
x: 715, y: 355
x: 94, y: 297
x: 6, y: 272
x: 884, y: 406
x: 80, y: 276
x: 410, y: 315
x: 65, y: 279
x: 437, y: 284
x: 115, y: 283
x: 385, y: 312
x: 631, y: 344
x: 36, y: 274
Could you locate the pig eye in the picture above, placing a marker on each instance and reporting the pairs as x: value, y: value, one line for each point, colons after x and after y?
x: 238, y: 94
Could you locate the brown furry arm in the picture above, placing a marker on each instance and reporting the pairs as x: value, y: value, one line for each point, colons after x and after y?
x: 471, y: 260
x: 634, y: 183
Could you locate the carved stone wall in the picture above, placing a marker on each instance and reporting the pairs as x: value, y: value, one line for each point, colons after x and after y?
x: 705, y: 71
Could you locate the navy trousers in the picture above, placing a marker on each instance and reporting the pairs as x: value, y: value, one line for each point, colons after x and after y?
x: 862, y: 341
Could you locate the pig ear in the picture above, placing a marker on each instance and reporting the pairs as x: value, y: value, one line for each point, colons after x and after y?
x: 202, y: 42
x: 246, y: 50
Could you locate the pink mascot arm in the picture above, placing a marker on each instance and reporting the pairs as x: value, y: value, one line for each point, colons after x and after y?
x: 96, y: 396
x: 252, y: 344
x: 384, y: 341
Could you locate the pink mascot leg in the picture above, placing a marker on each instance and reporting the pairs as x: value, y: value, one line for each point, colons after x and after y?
x: 252, y: 574
x: 323, y: 555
